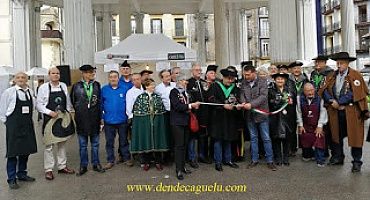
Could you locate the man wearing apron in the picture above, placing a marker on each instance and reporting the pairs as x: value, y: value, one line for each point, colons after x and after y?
x: 53, y: 97
x: 16, y: 108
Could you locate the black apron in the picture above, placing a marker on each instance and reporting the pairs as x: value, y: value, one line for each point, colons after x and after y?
x: 58, y: 102
x: 20, y: 132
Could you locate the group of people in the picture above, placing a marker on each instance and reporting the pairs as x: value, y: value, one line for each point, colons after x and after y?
x: 190, y: 119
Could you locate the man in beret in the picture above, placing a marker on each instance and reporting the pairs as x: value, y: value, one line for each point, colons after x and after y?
x: 211, y: 73
x: 344, y: 92
x: 86, y: 100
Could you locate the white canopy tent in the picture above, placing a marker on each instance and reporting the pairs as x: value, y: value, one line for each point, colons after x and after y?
x: 144, y: 48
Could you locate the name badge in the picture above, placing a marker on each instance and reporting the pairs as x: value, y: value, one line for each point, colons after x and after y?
x: 25, y: 109
x: 121, y: 95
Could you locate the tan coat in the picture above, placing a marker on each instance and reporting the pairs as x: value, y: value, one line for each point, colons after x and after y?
x: 354, y: 111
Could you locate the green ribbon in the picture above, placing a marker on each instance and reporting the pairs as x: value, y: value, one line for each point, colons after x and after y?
x: 227, y: 91
x: 317, y: 79
x: 298, y: 86
x: 88, y: 89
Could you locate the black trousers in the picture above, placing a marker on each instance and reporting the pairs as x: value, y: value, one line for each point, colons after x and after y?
x: 307, y: 153
x: 180, y: 136
x: 337, y: 149
x: 281, y: 149
x: 204, y: 143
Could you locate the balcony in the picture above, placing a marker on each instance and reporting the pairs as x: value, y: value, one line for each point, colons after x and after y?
x: 363, y: 21
x: 327, y: 30
x: 337, y: 26
x: 328, y: 51
x: 264, y: 33
x: 51, y: 34
x: 327, y: 8
x: 336, y: 4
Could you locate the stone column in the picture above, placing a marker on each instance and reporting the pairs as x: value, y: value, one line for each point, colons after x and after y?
x: 201, y: 25
x: 79, y: 38
x: 139, y: 19
x: 124, y: 19
x: 244, y: 37
x: 235, y: 35
x: 283, y: 31
x: 348, y: 27
x: 103, y: 19
x: 221, y: 34
x: 307, y: 32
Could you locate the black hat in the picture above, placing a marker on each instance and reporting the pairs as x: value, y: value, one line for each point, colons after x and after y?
x: 229, y: 71
x: 125, y: 64
x: 284, y: 75
x: 294, y: 64
x: 343, y: 56
x: 87, y: 68
x: 282, y: 66
x: 146, y: 71
x: 211, y: 68
x: 321, y: 57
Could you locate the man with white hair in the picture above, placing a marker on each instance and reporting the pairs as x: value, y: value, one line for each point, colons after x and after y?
x: 16, y: 108
x: 52, y: 98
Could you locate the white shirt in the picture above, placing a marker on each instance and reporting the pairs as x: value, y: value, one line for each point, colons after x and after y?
x: 43, y: 97
x: 131, y: 96
x: 164, y: 91
x: 8, y: 100
x: 323, y: 118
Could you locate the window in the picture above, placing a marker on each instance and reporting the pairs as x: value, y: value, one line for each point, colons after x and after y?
x: 179, y: 27
x: 263, y: 11
x: 133, y: 26
x: 182, y: 43
x: 156, y: 25
x: 264, y: 28
x: 264, y: 48
x: 114, y: 25
x: 362, y: 13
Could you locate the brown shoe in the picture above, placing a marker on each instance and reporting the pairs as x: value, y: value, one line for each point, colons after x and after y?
x: 66, y: 170
x: 129, y: 163
x: 49, y: 176
x: 108, y: 166
x: 119, y: 160
x: 271, y: 166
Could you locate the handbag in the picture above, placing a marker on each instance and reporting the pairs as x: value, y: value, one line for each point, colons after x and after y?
x: 193, y: 124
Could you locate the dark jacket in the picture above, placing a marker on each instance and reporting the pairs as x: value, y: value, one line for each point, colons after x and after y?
x: 179, y: 114
x: 280, y: 123
x: 224, y: 124
x: 87, y: 117
x: 257, y: 96
x: 199, y: 92
x: 318, y: 78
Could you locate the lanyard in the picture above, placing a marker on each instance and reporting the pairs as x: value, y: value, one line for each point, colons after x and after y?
x: 89, y: 90
x: 317, y: 79
x: 227, y: 91
x: 298, y: 86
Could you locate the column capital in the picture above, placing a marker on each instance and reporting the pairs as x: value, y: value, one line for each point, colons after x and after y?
x: 200, y: 16
x: 138, y: 15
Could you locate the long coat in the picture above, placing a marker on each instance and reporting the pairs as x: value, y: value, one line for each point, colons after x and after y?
x: 354, y: 111
x: 87, y: 116
x: 149, y: 132
x: 224, y: 124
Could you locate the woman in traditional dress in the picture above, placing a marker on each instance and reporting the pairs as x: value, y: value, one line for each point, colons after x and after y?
x: 149, y: 133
